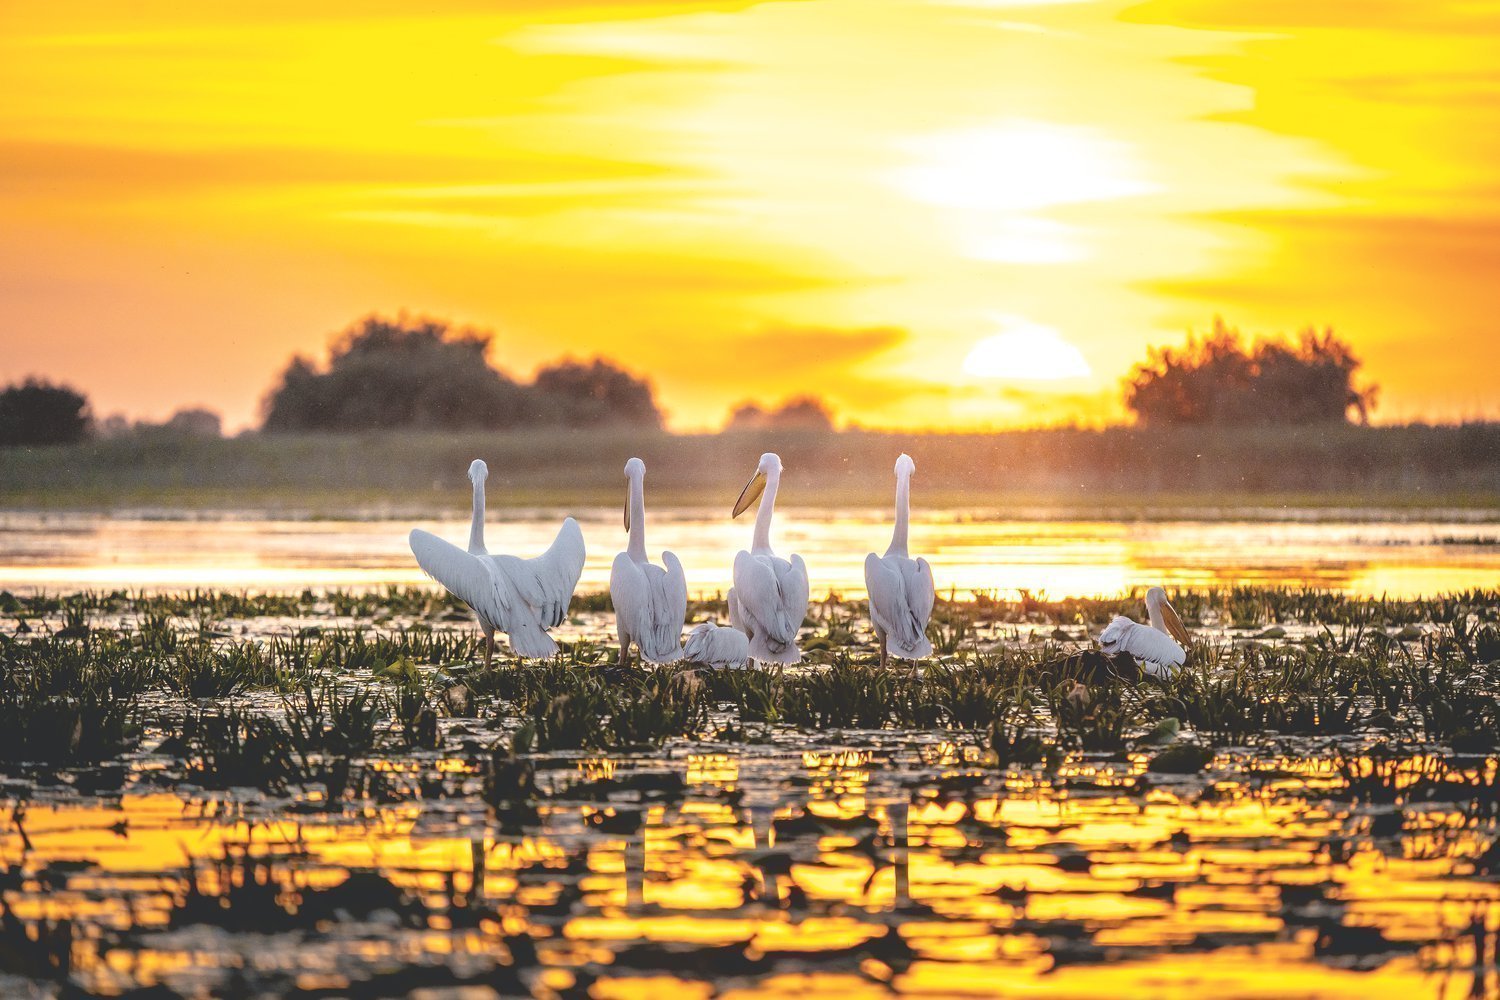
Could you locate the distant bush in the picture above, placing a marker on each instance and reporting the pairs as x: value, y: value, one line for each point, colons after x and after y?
x: 399, y: 373
x: 592, y: 393
x: 801, y: 413
x: 424, y: 374
x: 192, y: 422
x: 40, y: 413
x: 1221, y: 380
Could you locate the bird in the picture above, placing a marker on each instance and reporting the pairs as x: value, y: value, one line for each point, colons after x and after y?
x: 719, y: 646
x: 650, y: 601
x: 769, y: 598
x: 1158, y: 648
x: 520, y: 597
x: 900, y: 587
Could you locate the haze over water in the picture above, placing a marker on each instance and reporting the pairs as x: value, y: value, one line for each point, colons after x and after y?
x: 1369, y: 553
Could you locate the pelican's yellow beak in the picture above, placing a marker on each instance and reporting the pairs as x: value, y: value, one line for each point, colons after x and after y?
x: 1175, y: 628
x: 627, y: 514
x: 751, y: 493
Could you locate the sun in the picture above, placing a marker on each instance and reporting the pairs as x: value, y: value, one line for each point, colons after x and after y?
x: 1026, y: 351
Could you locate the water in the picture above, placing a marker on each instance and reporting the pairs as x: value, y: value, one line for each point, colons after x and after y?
x: 1366, y: 553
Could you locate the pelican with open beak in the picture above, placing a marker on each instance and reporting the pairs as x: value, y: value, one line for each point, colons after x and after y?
x: 769, y: 598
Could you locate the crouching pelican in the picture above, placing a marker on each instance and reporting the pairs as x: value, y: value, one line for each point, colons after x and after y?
x: 900, y: 588
x: 717, y: 646
x: 521, y: 597
x: 650, y: 601
x: 769, y: 598
x: 1157, y: 648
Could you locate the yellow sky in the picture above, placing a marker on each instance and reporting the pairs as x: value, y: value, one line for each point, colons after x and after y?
x: 959, y: 213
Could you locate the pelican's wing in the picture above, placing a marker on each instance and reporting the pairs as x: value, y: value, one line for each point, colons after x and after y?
x: 468, y: 577
x: 761, y: 607
x: 887, y: 597
x: 896, y: 588
x: 921, y: 592
x: 794, y: 591
x: 717, y: 646
x: 671, y: 594
x: 548, y: 580
x: 1150, y: 646
x: 627, y: 591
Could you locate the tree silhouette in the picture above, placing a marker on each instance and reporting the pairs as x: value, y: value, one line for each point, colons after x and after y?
x: 40, y: 413
x: 397, y: 373
x: 596, y: 392
x: 1219, y: 380
x: 803, y: 412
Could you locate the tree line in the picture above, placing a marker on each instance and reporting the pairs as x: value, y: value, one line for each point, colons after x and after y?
x: 425, y: 374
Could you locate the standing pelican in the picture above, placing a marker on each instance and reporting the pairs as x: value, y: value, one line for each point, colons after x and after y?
x: 1158, y: 648
x: 769, y: 598
x: 650, y: 602
x: 900, y: 588
x: 520, y: 597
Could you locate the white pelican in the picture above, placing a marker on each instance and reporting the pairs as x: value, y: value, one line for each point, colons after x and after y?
x: 769, y: 598
x: 900, y: 588
x: 650, y: 602
x: 1159, y: 647
x: 717, y: 646
x: 520, y: 597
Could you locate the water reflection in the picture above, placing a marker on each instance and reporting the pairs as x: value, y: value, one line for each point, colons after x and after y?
x: 898, y: 867
x: 1369, y: 555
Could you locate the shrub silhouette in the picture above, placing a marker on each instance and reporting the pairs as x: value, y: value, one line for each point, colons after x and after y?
x: 1220, y: 380
x: 581, y: 393
x: 401, y: 373
x: 40, y: 413
x: 424, y: 374
x: 803, y: 412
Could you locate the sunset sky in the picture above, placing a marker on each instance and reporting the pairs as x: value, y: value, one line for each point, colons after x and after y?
x: 950, y: 214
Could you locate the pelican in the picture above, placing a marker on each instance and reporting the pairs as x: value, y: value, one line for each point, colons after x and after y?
x: 900, y: 587
x: 521, y: 597
x: 769, y: 598
x: 1159, y: 647
x: 717, y: 646
x: 650, y: 602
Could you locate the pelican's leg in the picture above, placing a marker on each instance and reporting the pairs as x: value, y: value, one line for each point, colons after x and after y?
x: 489, y: 647
x: 624, y: 651
x: 885, y: 655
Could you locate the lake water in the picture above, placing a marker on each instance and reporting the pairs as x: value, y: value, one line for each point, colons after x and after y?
x: 1360, y: 552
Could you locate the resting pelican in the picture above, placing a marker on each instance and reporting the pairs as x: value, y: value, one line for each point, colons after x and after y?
x: 521, y: 597
x: 900, y: 588
x: 650, y: 602
x: 769, y: 598
x: 717, y: 646
x: 1158, y: 648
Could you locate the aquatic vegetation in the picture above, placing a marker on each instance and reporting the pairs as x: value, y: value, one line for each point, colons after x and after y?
x: 356, y: 803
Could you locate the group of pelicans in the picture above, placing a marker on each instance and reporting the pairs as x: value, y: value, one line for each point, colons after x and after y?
x: 525, y: 598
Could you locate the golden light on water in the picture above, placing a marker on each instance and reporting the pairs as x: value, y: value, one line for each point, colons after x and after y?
x: 865, y: 183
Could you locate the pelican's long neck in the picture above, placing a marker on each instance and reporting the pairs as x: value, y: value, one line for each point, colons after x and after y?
x: 637, y: 547
x: 476, y: 526
x: 903, y: 517
x: 761, y: 541
x: 1153, y: 613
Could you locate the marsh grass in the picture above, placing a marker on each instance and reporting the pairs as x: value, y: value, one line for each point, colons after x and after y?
x: 1376, y: 743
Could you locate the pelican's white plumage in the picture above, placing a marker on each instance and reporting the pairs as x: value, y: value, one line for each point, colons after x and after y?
x: 1157, y: 647
x: 521, y: 597
x: 650, y: 601
x: 717, y: 646
x: 900, y: 588
x: 769, y: 598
